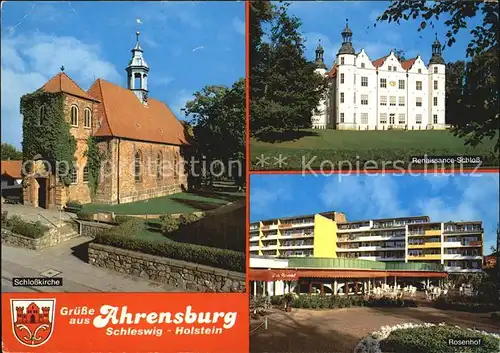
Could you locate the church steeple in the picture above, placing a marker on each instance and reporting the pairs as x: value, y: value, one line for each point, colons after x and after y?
x: 320, y: 63
x: 137, y: 72
x: 437, y: 57
x: 346, y: 47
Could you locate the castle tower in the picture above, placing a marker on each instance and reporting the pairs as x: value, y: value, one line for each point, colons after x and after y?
x: 437, y: 87
x: 20, y: 317
x: 137, y: 73
x: 44, y: 317
x: 320, y: 61
x: 345, y: 114
x: 319, y: 117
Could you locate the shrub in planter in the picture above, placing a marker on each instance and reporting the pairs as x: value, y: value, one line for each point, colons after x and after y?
x: 85, y: 216
x: 122, y: 219
x: 127, y: 229
x: 32, y: 230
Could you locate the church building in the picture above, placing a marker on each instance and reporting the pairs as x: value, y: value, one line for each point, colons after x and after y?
x: 383, y: 94
x: 144, y: 145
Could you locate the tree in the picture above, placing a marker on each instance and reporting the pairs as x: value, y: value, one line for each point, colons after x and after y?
x: 477, y: 113
x: 10, y: 152
x: 285, y: 90
x: 218, y: 125
x: 400, y: 54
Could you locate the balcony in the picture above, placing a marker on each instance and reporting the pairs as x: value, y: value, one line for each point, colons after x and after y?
x: 369, y: 238
x: 252, y: 239
x: 428, y: 245
x: 254, y: 248
x: 463, y: 230
x: 296, y: 247
x: 297, y: 236
x: 372, y: 248
x: 462, y: 257
x: 425, y: 257
x: 457, y: 269
x: 459, y: 244
x: 434, y: 232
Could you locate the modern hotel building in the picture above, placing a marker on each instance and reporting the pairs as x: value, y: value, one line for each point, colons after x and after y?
x: 458, y: 246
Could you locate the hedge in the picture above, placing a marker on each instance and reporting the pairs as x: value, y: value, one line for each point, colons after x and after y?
x: 122, y: 219
x: 334, y: 301
x: 34, y: 230
x: 85, y: 216
x: 468, y: 304
x: 121, y: 237
x: 435, y: 339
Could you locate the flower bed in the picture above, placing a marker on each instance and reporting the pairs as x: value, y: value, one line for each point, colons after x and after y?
x: 428, y: 338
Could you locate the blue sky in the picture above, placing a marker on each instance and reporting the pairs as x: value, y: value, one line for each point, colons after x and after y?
x: 187, y: 45
x: 442, y: 197
x: 326, y: 19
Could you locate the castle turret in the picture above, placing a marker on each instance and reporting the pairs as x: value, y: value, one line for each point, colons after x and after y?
x: 437, y: 87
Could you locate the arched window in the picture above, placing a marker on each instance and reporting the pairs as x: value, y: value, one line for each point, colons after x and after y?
x: 176, y: 165
x: 41, y: 115
x: 86, y: 174
x: 159, y: 166
x: 137, y: 166
x: 88, y: 118
x: 74, y: 115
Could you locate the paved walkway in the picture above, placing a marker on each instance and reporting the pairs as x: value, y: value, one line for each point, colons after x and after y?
x: 78, y: 276
x: 340, y: 330
x: 33, y: 214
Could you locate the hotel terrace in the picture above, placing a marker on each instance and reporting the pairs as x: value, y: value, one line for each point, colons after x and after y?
x: 326, y: 245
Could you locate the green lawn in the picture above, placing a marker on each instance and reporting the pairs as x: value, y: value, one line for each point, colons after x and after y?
x: 378, y: 146
x: 176, y: 203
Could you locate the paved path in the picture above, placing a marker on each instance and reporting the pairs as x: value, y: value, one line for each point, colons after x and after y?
x: 340, y: 330
x: 33, y: 214
x: 78, y: 276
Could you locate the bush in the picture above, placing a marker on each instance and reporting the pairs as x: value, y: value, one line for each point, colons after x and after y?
x: 435, y: 339
x: 85, y: 216
x: 495, y: 316
x: 169, y: 224
x: 122, y: 237
x: 122, y: 219
x: 73, y: 204
x: 391, y: 302
x: 4, y: 216
x: 465, y: 303
x: 28, y: 229
x: 187, y: 218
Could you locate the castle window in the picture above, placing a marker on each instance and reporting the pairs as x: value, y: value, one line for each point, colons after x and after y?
x: 390, y: 68
x: 419, y: 71
x: 137, y: 167
x: 418, y: 102
x: 435, y: 84
x: 74, y: 115
x: 435, y: 99
x: 354, y: 98
x: 354, y: 78
x: 418, y: 85
x: 401, y: 84
x: 159, y: 167
x: 73, y: 176
x: 418, y: 118
x: 41, y: 115
x: 86, y: 174
x: 362, y: 65
x: 392, y: 101
x: 88, y: 118
x: 341, y: 97
x: 383, y: 83
x: 383, y: 118
x: 435, y: 69
x: 401, y: 118
x: 342, y: 61
x: 341, y: 78
x: 383, y: 100
x: 401, y: 101
x: 364, y: 81
x: 364, y: 99
x: 341, y: 117
x: 391, y: 118
x: 435, y: 118
x: 364, y: 118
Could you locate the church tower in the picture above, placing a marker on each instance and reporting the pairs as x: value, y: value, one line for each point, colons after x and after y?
x: 137, y: 73
x: 437, y: 87
x: 345, y: 114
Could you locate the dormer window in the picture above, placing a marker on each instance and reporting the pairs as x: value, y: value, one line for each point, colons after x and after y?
x: 362, y: 65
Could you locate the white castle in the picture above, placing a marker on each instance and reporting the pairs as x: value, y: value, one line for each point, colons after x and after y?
x: 384, y: 94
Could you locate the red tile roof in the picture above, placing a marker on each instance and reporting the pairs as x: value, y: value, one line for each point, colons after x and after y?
x: 123, y: 115
x: 63, y: 83
x: 12, y: 168
x: 407, y: 64
x: 333, y: 72
x: 379, y: 62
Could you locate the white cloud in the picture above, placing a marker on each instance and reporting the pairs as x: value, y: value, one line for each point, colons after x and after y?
x: 29, y: 61
x: 263, y: 199
x: 239, y: 25
x: 375, y: 195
